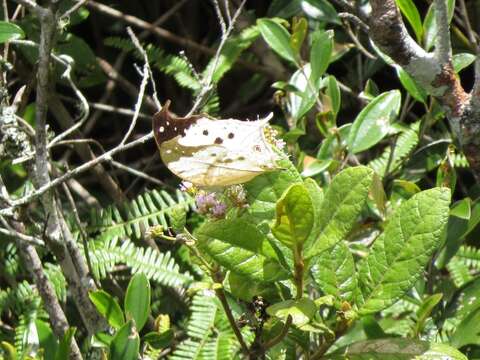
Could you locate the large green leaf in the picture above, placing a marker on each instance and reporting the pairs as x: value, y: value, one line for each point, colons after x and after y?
x: 334, y: 271
x: 125, y: 344
x: 46, y: 339
x: 10, y: 31
x: 241, y: 248
x: 396, y: 349
x: 398, y: 256
x: 264, y: 191
x: 462, y: 60
x: 320, y: 53
x: 410, y: 11
x: 340, y: 208
x: 137, y: 300
x: 108, y: 307
x: 301, y: 310
x: 295, y: 216
x: 373, y: 122
x: 415, y: 90
x: 278, y: 38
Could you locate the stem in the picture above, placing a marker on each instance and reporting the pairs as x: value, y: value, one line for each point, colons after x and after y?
x: 223, y: 299
x: 280, y: 336
x: 299, y: 270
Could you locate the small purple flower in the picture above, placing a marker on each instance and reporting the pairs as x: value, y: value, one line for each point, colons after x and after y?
x: 208, y: 204
x: 219, y: 210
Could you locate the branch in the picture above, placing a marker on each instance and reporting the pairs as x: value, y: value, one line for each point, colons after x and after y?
x: 207, y: 81
x: 443, y: 49
x: 432, y: 71
x: 72, y: 173
x: 169, y: 36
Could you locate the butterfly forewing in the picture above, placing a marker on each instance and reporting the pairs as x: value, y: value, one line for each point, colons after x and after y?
x: 209, y: 152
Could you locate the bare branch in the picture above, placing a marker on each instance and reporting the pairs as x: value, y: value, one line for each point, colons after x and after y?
x: 72, y: 173
x: 207, y: 81
x: 443, y: 49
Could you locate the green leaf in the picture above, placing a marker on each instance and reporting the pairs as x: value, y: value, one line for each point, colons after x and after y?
x: 400, y: 253
x: 463, y: 60
x: 9, y: 351
x: 430, y: 28
x: 320, y: 53
x: 340, y: 208
x: 396, y: 349
x: 278, y: 38
x: 373, y: 122
x: 137, y: 300
x: 64, y: 347
x: 415, y: 90
x: 301, y: 311
x: 299, y: 31
x: 302, y: 100
x: 159, y: 340
x: 334, y: 272
x: 264, y: 191
x: 333, y: 92
x: 126, y: 343
x: 466, y: 309
x: 295, y: 217
x: 425, y: 310
x: 468, y: 331
x: 241, y: 248
x: 10, y: 31
x: 316, y: 167
x: 410, y: 11
x: 47, y: 340
x: 320, y: 10
x: 108, y: 307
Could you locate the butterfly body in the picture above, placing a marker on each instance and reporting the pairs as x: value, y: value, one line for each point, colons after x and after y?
x: 210, y: 152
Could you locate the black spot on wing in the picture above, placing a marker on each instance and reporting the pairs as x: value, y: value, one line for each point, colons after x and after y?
x: 218, y: 140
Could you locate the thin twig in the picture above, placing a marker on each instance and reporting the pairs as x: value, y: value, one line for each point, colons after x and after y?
x: 29, y: 239
x: 74, y: 8
x: 223, y: 300
x: 83, y: 234
x: 85, y: 107
x: 207, y: 81
x: 136, y: 172
x: 280, y: 336
x: 72, y: 173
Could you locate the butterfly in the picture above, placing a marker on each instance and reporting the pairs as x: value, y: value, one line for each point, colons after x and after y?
x: 213, y: 152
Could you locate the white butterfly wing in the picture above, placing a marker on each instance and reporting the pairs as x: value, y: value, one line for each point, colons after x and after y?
x: 210, y: 152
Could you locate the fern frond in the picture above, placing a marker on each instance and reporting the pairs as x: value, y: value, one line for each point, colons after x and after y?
x: 220, y: 348
x: 159, y: 267
x: 459, y: 271
x: 25, y: 332
x: 120, y: 43
x: 148, y: 209
x: 232, y: 49
x: 199, y: 328
x: 406, y: 142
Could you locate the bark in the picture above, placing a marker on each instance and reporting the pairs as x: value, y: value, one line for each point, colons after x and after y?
x: 433, y: 71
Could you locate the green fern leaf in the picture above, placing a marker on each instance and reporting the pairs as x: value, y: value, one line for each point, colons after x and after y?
x: 148, y: 209
x: 406, y: 142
